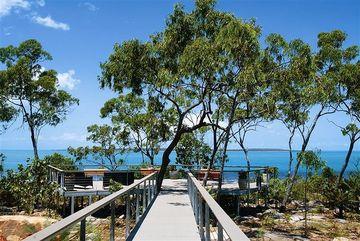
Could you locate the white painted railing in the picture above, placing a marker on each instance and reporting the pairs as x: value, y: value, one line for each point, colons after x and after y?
x: 141, y: 193
x: 203, y: 204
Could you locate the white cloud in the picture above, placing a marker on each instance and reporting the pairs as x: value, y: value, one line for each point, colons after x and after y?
x: 7, y: 30
x: 51, y: 23
x: 90, y: 6
x: 66, y: 136
x: 41, y: 3
x: 67, y: 80
x: 6, y: 6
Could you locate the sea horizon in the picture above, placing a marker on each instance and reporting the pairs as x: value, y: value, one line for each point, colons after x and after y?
x: 272, y: 158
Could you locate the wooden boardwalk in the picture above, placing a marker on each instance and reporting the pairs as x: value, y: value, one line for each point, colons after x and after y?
x: 170, y: 217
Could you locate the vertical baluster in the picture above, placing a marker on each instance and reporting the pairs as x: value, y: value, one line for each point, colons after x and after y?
x: 192, y: 195
x: 201, y: 218
x: 148, y: 193
x: 137, y: 203
x: 127, y: 218
x: 62, y: 180
x: 144, y: 197
x: 82, y: 230
x: 112, y: 221
x: 153, y: 187
x: 220, y: 232
x: 207, y: 223
x: 72, y: 204
x: 196, y: 204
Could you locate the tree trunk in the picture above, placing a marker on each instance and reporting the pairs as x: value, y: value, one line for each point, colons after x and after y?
x: 210, y: 166
x: 212, y: 159
x: 152, y: 161
x: 292, y: 179
x: 166, y: 160
x: 291, y: 158
x: 34, y: 142
x: 347, y: 159
x: 306, y: 140
x: 223, y: 159
x: 246, y: 154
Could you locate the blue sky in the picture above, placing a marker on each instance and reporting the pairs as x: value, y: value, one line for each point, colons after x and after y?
x: 81, y: 34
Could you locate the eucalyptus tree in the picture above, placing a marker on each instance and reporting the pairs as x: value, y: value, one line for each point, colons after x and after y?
x: 246, y: 92
x: 179, y: 66
x: 29, y: 91
x: 7, y: 112
x: 145, y: 119
x: 292, y: 65
x: 306, y: 82
x: 109, y: 146
x: 349, y: 95
x: 192, y: 150
x: 217, y: 134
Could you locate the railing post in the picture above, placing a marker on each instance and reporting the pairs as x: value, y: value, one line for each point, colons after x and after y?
x: 112, y: 221
x: 155, y: 184
x: 207, y: 223
x: 127, y: 218
x: 82, y: 229
x: 72, y: 204
x: 144, y: 198
x: 148, y: 193
x: 137, y: 203
x: 62, y: 181
x: 153, y: 187
x: 196, y: 204
x: 201, y: 218
x: 220, y: 232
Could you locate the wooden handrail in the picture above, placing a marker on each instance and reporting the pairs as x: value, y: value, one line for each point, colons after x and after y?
x: 75, y: 218
x: 55, y: 168
x: 226, y: 223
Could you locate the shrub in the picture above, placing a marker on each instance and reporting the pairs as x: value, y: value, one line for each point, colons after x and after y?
x: 28, y: 187
x: 277, y: 189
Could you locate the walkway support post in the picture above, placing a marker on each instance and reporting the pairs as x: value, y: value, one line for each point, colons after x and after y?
x: 201, y: 218
x: 82, y: 230
x: 207, y: 223
x: 220, y: 232
x: 112, y: 221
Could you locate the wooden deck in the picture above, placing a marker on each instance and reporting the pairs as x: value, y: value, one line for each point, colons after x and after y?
x: 232, y: 188
x: 170, y: 217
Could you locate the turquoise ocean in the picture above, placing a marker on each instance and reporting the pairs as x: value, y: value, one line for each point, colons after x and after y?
x: 279, y: 159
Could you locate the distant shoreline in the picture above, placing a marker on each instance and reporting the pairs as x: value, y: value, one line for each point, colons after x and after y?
x: 162, y: 149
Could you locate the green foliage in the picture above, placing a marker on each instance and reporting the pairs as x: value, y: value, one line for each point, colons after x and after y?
x: 311, y: 160
x: 29, y: 91
x: 115, y: 186
x: 192, y: 151
x: 60, y: 161
x: 110, y: 143
x: 143, y: 121
x: 28, y: 187
x: 277, y: 189
x: 203, y: 60
x: 2, y: 159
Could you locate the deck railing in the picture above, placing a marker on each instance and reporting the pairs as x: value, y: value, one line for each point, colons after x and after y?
x: 138, y: 195
x: 204, y: 205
